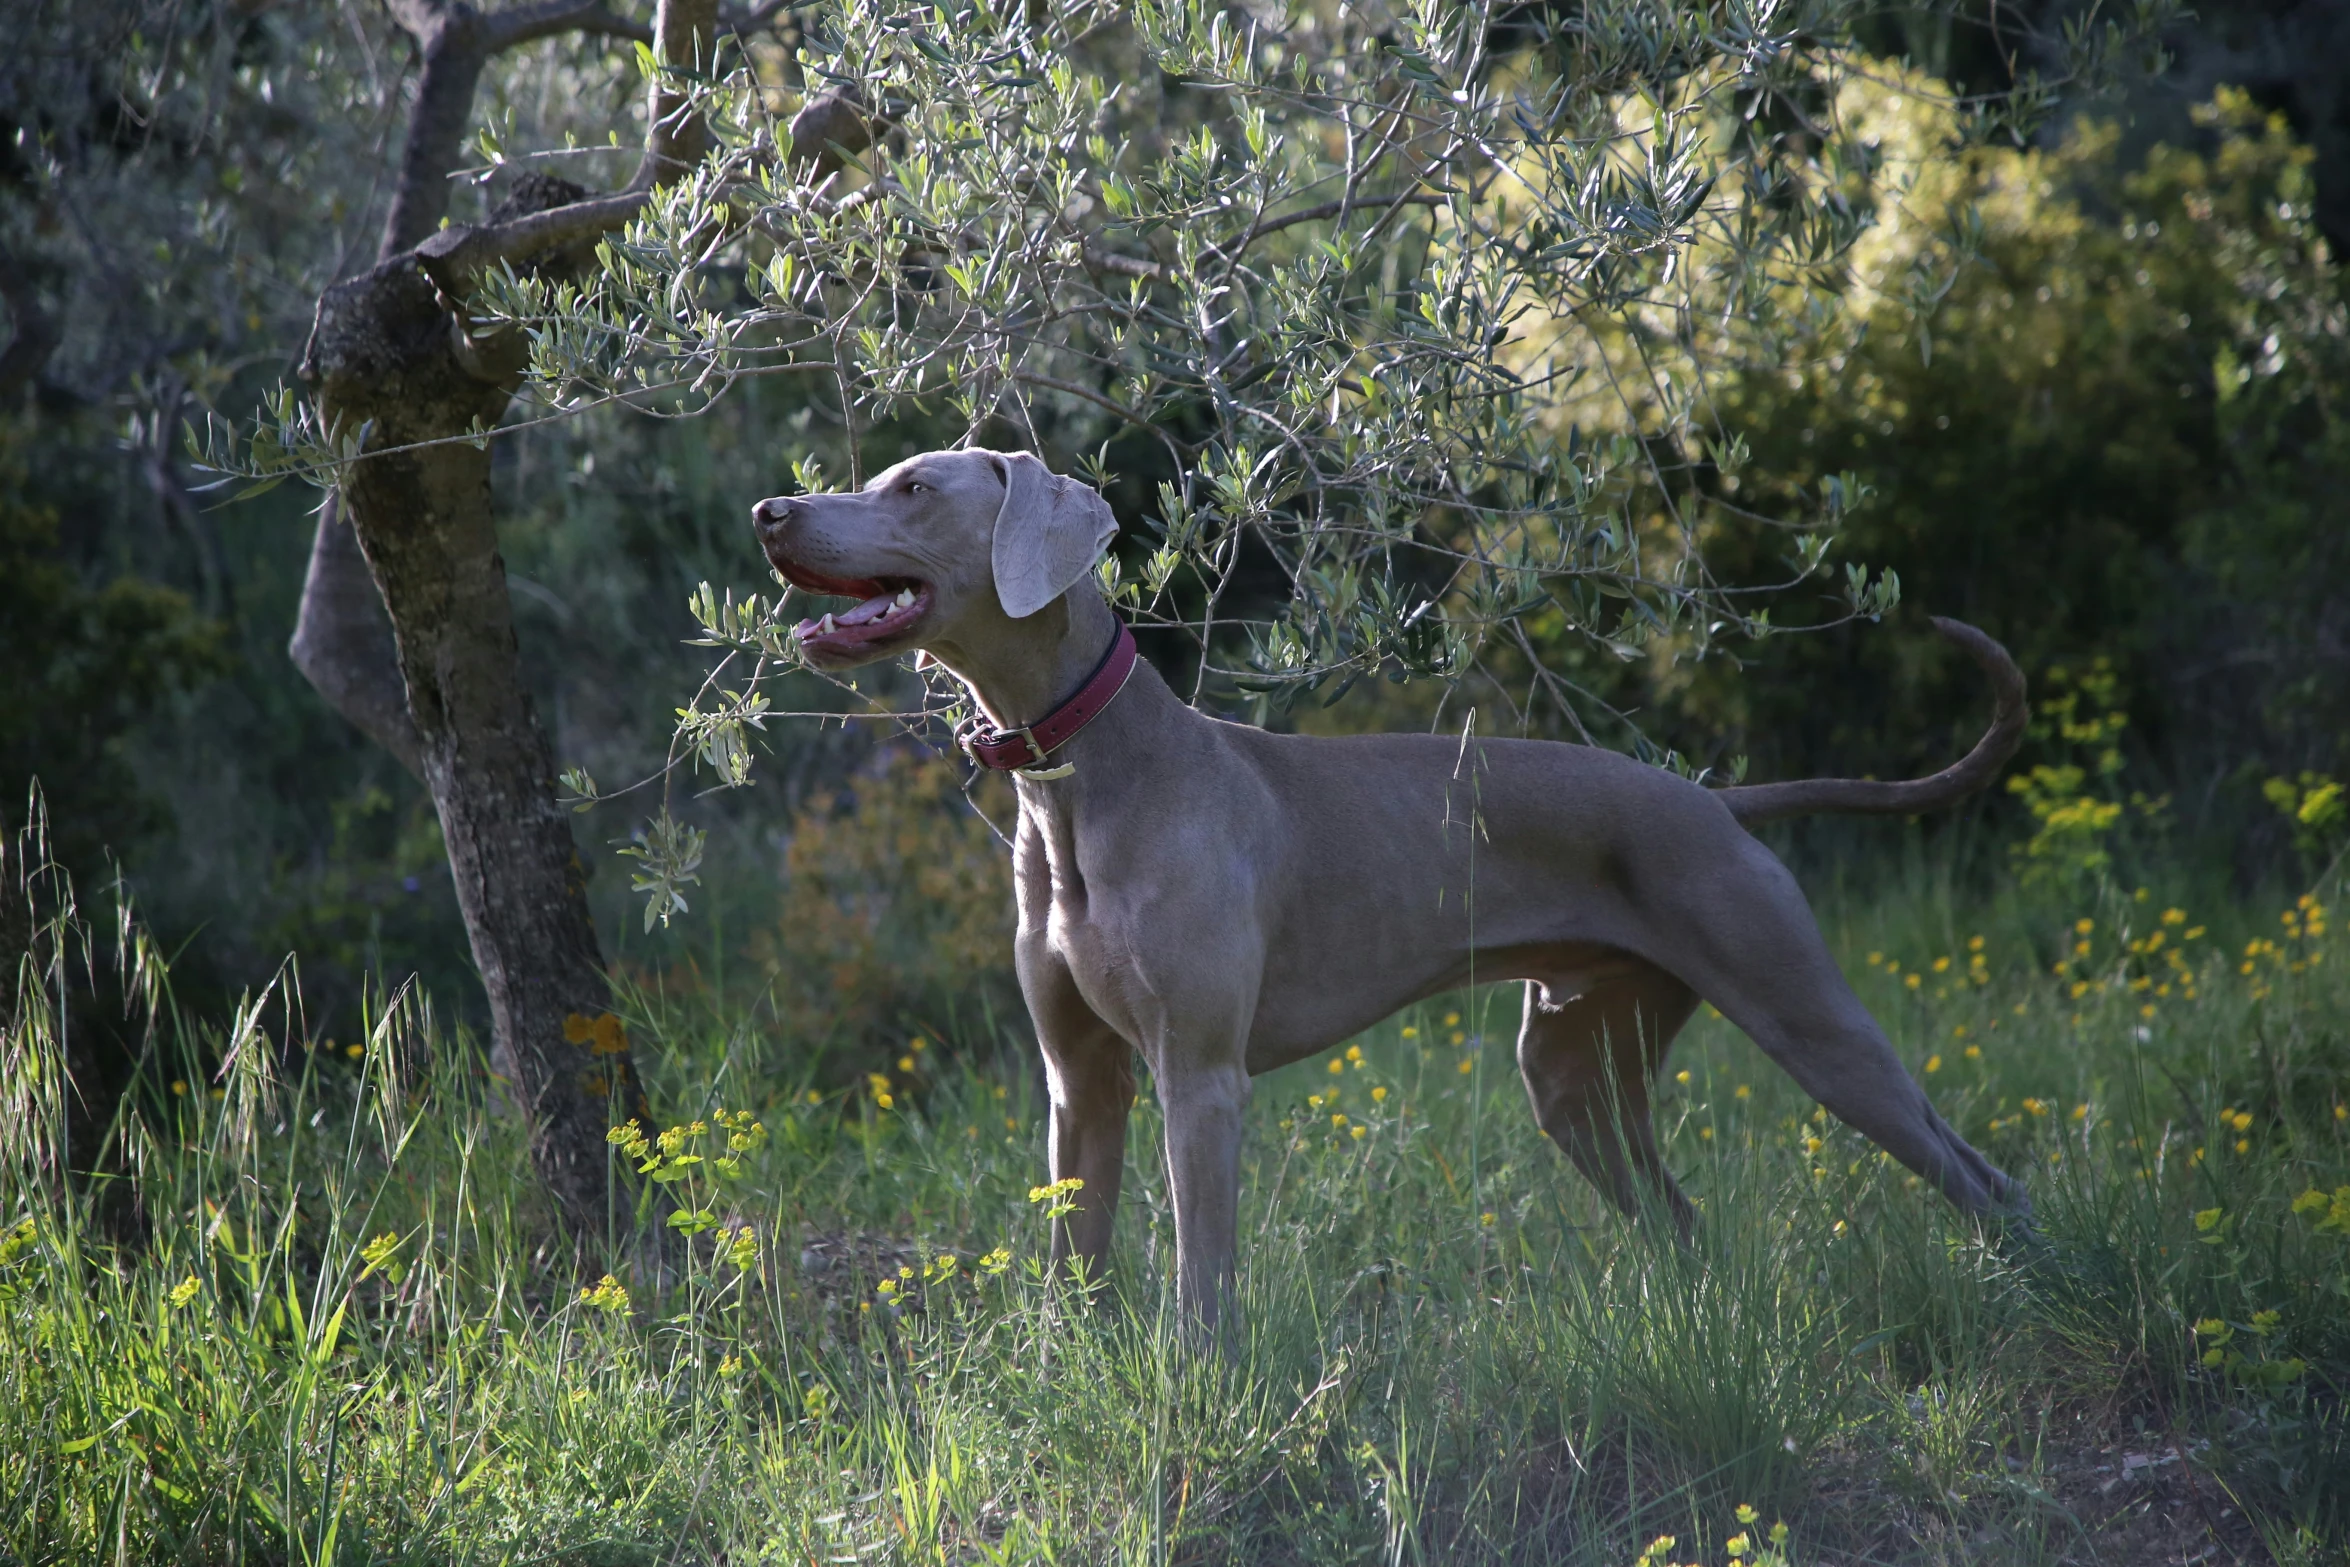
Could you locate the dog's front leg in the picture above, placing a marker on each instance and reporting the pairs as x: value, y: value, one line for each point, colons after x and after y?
x: 1090, y: 1074
x: 1204, y: 1103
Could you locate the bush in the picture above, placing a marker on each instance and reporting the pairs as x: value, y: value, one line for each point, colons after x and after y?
x: 2095, y: 409
x: 82, y: 665
x: 896, y: 911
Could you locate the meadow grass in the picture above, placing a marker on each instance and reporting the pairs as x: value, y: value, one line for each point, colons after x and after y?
x: 316, y: 1316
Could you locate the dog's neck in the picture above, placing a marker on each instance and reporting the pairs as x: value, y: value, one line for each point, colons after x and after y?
x: 1020, y: 677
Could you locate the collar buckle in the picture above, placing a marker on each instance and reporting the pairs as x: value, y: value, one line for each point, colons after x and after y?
x: 1036, y: 767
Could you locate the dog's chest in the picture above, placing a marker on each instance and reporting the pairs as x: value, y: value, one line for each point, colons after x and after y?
x: 1087, y: 932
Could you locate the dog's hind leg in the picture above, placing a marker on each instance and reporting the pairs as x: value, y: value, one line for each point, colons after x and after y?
x: 1588, y: 1062
x: 1825, y: 1039
x: 1751, y: 947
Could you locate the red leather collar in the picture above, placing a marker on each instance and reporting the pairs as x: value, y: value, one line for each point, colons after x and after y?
x: 1010, y: 750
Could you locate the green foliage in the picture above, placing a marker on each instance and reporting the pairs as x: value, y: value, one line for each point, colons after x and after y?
x: 669, y: 855
x: 2096, y: 407
x: 82, y: 666
x: 178, y: 204
x: 2253, y: 1359
x: 173, y: 201
x: 176, y: 185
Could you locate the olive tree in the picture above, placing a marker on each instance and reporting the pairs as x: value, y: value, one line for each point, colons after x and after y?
x: 1415, y: 301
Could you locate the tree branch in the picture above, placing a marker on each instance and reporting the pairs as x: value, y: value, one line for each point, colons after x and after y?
x: 342, y: 642
x: 455, y: 41
x: 830, y: 128
x: 524, y: 24
x: 342, y: 639
x: 685, y: 38
x: 1072, y: 389
x: 756, y: 17
x: 449, y: 39
x: 462, y: 250
x: 420, y: 17
x: 1100, y: 260
x: 1339, y: 209
x: 675, y: 139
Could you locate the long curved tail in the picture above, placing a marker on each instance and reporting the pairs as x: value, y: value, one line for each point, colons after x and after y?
x: 1752, y: 803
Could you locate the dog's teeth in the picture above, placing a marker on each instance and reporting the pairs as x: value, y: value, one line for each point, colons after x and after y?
x: 905, y: 597
x: 825, y: 628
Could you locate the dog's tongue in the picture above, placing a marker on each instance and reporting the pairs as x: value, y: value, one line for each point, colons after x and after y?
x: 864, y: 614
x: 872, y: 609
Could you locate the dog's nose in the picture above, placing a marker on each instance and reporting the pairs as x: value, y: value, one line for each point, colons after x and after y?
x: 772, y: 515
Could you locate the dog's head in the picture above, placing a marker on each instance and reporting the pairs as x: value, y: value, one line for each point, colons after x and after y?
x: 933, y: 550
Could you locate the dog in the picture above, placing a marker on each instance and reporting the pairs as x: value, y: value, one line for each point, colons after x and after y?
x: 1224, y: 900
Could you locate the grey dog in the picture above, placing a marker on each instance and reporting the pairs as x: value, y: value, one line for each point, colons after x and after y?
x: 1226, y: 901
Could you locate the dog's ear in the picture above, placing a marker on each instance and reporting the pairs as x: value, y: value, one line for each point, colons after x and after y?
x: 1049, y: 533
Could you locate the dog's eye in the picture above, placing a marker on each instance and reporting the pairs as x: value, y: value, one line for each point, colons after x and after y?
x: 917, y: 487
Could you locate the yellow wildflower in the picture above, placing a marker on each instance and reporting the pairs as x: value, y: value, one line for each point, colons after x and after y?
x: 606, y: 1294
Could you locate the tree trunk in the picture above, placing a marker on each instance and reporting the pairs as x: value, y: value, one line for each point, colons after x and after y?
x: 391, y: 356
x: 388, y: 352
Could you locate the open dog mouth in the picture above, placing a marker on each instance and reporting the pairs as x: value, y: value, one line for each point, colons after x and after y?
x: 886, y: 608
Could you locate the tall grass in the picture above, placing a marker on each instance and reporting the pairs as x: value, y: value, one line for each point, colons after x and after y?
x: 308, y: 1311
